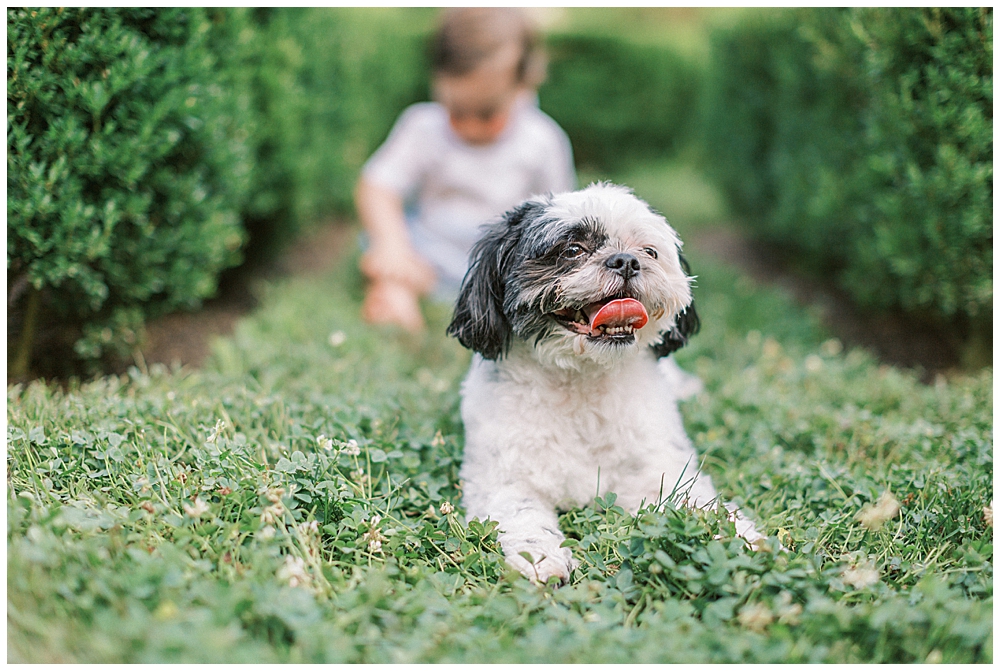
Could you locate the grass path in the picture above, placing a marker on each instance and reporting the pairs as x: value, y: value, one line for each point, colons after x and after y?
x: 297, y: 500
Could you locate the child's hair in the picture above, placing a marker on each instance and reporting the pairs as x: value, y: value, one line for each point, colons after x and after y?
x: 468, y: 36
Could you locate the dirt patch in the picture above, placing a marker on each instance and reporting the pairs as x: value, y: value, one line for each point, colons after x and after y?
x: 184, y: 338
x: 893, y: 337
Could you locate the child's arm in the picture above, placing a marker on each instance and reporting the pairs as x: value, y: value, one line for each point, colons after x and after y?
x: 398, y: 274
x: 390, y: 256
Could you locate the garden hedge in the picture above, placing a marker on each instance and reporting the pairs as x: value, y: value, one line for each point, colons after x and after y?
x: 618, y: 101
x: 145, y: 144
x: 327, y: 85
x: 861, y: 140
x: 125, y: 167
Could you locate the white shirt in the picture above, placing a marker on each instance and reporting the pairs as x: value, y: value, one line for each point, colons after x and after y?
x: 456, y: 187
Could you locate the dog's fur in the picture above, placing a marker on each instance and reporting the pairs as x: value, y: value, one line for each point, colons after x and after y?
x: 553, y: 413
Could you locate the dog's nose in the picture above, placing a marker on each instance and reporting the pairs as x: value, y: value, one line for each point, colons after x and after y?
x: 624, y: 264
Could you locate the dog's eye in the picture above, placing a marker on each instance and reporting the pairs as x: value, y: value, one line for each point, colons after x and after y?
x: 573, y: 251
x: 651, y: 252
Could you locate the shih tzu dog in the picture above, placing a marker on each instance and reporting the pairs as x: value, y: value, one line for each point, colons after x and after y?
x: 570, y: 302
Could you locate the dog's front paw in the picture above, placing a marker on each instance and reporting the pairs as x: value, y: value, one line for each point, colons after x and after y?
x: 539, y: 563
x: 746, y: 529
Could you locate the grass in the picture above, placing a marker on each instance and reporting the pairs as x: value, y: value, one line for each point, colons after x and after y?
x: 297, y: 500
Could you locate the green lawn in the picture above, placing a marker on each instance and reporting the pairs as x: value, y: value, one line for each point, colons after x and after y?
x: 289, y: 503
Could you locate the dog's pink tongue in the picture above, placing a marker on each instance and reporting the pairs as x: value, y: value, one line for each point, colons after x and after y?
x: 620, y: 312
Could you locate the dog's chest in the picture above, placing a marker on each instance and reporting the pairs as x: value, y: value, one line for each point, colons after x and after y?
x: 563, y: 430
x: 603, y: 420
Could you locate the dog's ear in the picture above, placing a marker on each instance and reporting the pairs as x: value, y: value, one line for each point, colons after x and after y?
x: 479, y: 321
x: 685, y: 326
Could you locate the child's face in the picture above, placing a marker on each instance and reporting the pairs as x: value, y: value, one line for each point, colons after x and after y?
x: 479, y: 103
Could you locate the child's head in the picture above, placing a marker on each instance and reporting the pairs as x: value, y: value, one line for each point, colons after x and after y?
x: 483, y: 58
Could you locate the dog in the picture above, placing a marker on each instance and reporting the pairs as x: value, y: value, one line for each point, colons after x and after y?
x: 570, y: 302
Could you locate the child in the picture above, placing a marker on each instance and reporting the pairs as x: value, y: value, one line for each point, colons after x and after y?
x: 450, y: 166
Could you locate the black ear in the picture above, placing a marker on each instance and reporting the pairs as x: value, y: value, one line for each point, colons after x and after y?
x: 479, y: 321
x: 685, y: 326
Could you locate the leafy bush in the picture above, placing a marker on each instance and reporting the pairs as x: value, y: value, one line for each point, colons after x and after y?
x: 126, y: 166
x: 618, y: 101
x: 930, y: 211
x: 327, y: 85
x: 862, y: 139
x: 144, y: 145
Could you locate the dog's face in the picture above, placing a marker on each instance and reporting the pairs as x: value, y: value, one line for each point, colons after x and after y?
x: 587, y: 275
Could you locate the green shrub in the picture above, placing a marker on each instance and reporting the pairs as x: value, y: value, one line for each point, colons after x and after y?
x: 776, y: 129
x: 862, y: 140
x: 929, y: 209
x: 618, y: 101
x: 327, y: 85
x: 126, y: 164
x: 146, y: 146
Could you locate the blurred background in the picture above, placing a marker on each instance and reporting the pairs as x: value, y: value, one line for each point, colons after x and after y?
x: 153, y: 154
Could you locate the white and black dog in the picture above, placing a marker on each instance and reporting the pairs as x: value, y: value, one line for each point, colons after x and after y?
x: 570, y: 301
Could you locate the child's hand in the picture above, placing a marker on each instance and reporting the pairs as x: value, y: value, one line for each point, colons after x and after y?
x: 400, y: 265
x: 390, y: 302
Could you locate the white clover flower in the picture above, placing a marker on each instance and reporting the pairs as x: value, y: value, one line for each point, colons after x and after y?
x: 197, y: 509
x: 373, y: 535
x: 755, y: 616
x: 294, y: 571
x: 772, y: 348
x: 872, y: 517
x: 351, y: 448
x: 274, y: 495
x: 438, y: 440
x: 220, y: 426
x: 374, y: 538
x: 324, y: 442
x: 788, y: 612
x: 272, y: 514
x: 814, y: 364
x: 447, y: 508
x: 266, y: 533
x: 988, y: 515
x: 861, y: 576
x: 831, y: 347
x: 337, y: 338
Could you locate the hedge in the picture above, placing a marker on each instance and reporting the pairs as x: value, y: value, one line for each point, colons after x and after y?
x: 125, y: 165
x: 618, y: 101
x: 861, y: 140
x: 328, y: 85
x: 144, y: 144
